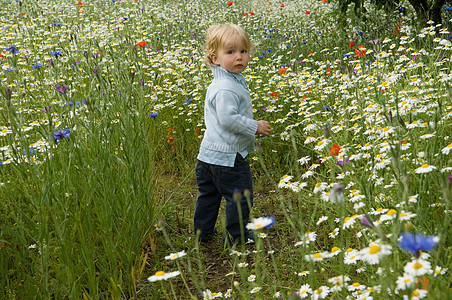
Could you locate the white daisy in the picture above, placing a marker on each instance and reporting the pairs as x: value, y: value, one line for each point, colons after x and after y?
x: 174, y: 256
x: 446, y: 149
x: 318, y: 256
x: 320, y: 293
x: 304, y: 160
x: 322, y: 219
x: 304, y: 291
x: 418, y: 267
x: 425, y: 168
x: 375, y: 252
x: 260, y: 223
x: 161, y: 275
x: 404, y: 282
x: 334, y: 233
x: 351, y: 256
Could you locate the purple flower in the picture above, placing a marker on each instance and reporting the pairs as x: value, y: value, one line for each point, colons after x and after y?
x: 365, y: 222
x: 62, y: 133
x: 414, y: 243
x: 46, y: 108
x: 342, y: 163
x: 61, y: 88
x: 374, y: 41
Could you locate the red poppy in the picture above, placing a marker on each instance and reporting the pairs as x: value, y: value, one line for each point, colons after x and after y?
x: 311, y: 52
x: 282, y: 5
x: 274, y: 94
x: 282, y: 70
x: 335, y: 150
x: 79, y: 3
x: 245, y: 14
x: 351, y: 44
x: 1, y: 54
x: 307, y: 12
x: 251, y: 13
x: 99, y: 52
x: 2, y: 245
x: 142, y: 44
x: 360, y: 53
x: 197, y: 130
x: 170, y: 139
x: 329, y: 71
x: 323, y: 1
x: 230, y: 3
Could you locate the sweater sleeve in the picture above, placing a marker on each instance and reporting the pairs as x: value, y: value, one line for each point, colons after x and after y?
x: 227, y: 109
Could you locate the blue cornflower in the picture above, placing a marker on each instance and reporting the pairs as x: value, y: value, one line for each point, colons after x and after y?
x: 62, y: 133
x: 154, y: 114
x: 414, y: 243
x: 187, y: 101
x: 36, y: 65
x: 57, y: 24
x: 55, y: 53
x: 12, y: 49
x: 448, y: 7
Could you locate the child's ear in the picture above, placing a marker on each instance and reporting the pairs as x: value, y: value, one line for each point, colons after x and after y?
x: 214, y: 58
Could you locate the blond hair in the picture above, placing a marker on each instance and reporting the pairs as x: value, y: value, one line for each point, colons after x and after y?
x: 218, y: 35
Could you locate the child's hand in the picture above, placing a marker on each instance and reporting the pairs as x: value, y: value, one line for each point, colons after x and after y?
x: 263, y: 127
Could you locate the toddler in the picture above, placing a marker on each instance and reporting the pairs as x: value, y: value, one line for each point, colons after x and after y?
x: 221, y: 168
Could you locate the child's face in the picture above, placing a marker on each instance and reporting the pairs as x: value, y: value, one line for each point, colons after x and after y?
x: 233, y: 56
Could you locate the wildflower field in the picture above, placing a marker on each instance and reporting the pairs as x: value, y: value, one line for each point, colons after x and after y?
x: 101, y: 117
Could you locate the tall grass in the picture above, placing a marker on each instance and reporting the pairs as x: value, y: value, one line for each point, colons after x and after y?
x: 92, y: 212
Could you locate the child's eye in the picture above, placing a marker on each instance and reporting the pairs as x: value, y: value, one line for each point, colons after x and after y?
x: 230, y: 52
x: 244, y: 51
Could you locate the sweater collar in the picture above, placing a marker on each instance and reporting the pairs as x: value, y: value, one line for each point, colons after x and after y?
x: 220, y: 72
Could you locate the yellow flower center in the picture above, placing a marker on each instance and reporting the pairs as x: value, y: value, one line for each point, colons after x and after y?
x: 258, y: 225
x: 407, y: 280
x: 392, y: 212
x: 417, y: 266
x: 425, y: 166
x: 416, y: 293
x: 318, y: 291
x: 355, y: 284
x: 334, y: 249
x: 317, y: 255
x: 374, y: 249
x: 159, y: 273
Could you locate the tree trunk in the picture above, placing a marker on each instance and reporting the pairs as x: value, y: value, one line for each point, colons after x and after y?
x: 421, y: 9
x: 426, y: 12
x: 436, y: 11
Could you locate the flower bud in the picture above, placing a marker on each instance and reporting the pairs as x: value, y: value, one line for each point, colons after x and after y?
x: 408, y: 226
x: 236, y: 195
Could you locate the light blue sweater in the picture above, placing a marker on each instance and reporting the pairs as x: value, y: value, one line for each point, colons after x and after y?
x: 228, y: 115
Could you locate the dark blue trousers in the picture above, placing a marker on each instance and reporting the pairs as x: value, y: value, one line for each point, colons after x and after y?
x: 214, y: 183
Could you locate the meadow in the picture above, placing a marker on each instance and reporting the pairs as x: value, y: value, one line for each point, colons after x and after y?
x: 101, y: 117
